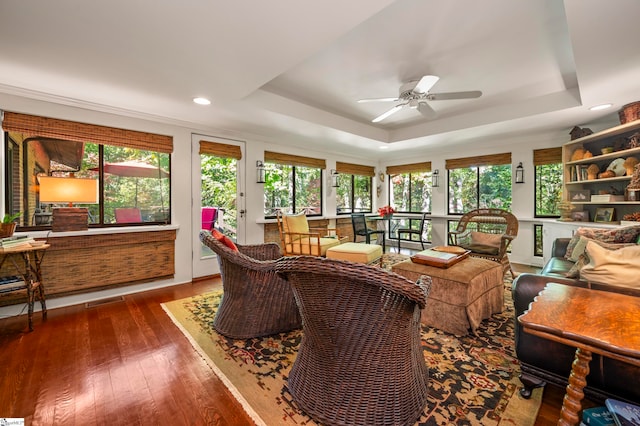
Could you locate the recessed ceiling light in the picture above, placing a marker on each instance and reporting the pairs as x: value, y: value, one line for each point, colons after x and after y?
x: 384, y: 147
x: 202, y: 101
x: 599, y: 107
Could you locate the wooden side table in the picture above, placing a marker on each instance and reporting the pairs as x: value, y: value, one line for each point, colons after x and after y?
x: 26, y: 261
x: 591, y: 321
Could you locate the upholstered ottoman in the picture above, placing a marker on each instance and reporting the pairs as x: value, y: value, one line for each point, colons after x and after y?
x: 355, y: 252
x: 461, y: 296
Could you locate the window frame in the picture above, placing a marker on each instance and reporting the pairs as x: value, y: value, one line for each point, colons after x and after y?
x: 352, y: 182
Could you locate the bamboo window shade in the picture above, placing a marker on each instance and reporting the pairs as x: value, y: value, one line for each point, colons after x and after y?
x: 547, y: 156
x: 481, y: 160
x: 354, y: 169
x: 220, y: 150
x: 409, y: 168
x: 294, y: 160
x: 36, y: 126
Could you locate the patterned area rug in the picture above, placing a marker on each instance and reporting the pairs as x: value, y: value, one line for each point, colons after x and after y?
x: 473, y: 379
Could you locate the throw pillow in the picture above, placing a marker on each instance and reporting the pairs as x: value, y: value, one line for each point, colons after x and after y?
x: 224, y: 239
x: 628, y: 234
x: 485, y: 239
x: 579, y: 248
x: 574, y: 272
x: 615, y: 267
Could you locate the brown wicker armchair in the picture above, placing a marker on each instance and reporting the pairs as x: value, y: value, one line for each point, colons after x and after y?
x: 360, y: 360
x: 488, y: 234
x: 256, y: 300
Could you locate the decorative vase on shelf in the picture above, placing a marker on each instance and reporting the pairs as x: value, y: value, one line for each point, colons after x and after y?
x: 387, y: 216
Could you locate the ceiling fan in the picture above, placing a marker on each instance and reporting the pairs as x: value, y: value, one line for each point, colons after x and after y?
x: 415, y: 94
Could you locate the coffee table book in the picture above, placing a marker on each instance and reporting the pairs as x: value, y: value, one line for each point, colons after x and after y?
x: 623, y: 413
x: 439, y: 259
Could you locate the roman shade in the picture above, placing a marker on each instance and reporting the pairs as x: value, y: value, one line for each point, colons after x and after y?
x: 34, y: 126
x: 480, y: 160
x: 220, y: 150
x: 547, y: 156
x: 409, y: 168
x: 294, y: 160
x: 354, y: 169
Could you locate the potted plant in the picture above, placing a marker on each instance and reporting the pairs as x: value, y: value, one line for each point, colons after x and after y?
x: 8, y: 226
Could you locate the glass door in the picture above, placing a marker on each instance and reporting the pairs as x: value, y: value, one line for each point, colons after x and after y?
x: 218, y: 199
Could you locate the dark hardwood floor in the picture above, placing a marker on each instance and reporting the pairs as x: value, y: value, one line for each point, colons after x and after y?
x: 123, y: 362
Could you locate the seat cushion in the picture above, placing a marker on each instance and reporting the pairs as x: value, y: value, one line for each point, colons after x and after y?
x: 355, y: 252
x: 309, y: 246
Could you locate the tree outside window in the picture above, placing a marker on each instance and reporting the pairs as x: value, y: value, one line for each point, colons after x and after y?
x: 548, y: 181
x: 353, y: 194
x: 487, y: 186
x: 411, y: 192
x: 292, y: 189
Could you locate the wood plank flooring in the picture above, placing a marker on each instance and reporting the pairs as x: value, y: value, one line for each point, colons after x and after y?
x: 123, y: 363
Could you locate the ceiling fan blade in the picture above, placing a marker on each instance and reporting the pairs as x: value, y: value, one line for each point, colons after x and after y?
x: 388, y: 113
x: 454, y: 95
x: 360, y: 101
x: 426, y: 110
x: 426, y: 83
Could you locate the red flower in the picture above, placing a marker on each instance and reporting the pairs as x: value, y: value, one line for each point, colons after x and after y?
x: 386, y: 210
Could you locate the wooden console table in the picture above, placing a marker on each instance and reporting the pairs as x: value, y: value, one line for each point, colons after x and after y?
x: 591, y: 321
x: 30, y: 258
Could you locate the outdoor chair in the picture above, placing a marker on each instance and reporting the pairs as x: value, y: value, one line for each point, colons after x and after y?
x: 256, y: 300
x: 420, y: 232
x: 487, y: 233
x: 360, y: 360
x: 127, y: 215
x: 360, y: 229
x: 298, y: 239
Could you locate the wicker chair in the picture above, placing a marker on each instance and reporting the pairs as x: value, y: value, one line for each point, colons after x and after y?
x: 488, y: 234
x: 256, y: 300
x: 360, y: 361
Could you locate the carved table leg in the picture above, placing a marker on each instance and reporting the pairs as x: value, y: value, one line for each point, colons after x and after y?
x: 571, y: 405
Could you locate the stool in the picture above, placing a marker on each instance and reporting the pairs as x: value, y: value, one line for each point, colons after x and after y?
x: 355, y: 252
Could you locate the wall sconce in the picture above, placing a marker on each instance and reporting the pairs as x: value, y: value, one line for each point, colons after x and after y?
x: 520, y: 173
x: 68, y: 190
x: 435, y: 178
x: 259, y: 172
x: 334, y: 178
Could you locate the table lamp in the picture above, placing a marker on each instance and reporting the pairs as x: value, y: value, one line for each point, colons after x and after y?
x: 69, y: 190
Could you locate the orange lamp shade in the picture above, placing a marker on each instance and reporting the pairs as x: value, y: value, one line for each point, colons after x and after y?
x: 68, y: 190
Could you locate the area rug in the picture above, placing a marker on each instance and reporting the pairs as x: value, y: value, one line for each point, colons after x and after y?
x: 473, y: 380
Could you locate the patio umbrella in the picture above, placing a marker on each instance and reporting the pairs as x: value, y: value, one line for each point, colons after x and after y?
x: 135, y: 169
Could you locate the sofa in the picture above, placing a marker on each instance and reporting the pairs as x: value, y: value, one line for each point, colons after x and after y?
x: 544, y: 361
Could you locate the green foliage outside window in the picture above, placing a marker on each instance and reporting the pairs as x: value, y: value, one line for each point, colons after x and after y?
x: 479, y: 187
x: 219, y: 189
x: 353, y: 194
x: 548, y: 190
x: 292, y: 189
x: 411, y: 192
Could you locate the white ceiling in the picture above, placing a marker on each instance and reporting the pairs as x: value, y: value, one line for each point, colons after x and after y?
x: 292, y: 70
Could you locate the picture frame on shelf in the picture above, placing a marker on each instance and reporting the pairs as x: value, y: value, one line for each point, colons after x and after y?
x: 604, y: 214
x: 580, y: 196
x: 580, y: 216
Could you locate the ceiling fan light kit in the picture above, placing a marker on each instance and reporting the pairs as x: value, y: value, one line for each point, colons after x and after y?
x: 415, y: 95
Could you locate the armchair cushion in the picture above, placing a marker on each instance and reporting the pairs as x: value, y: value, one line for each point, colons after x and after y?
x: 614, y: 267
x: 295, y: 224
x: 486, y: 239
x: 224, y: 239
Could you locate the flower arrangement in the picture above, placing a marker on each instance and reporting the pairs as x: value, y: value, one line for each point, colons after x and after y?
x: 386, y: 211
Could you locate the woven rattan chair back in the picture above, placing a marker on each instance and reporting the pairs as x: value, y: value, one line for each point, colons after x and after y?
x: 256, y: 300
x: 360, y: 360
x: 490, y: 221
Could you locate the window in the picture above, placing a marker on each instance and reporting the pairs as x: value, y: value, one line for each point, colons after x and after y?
x: 354, y: 192
x: 479, y: 182
x: 537, y: 244
x: 548, y: 181
x: 293, y: 184
x: 132, y: 169
x: 410, y: 187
